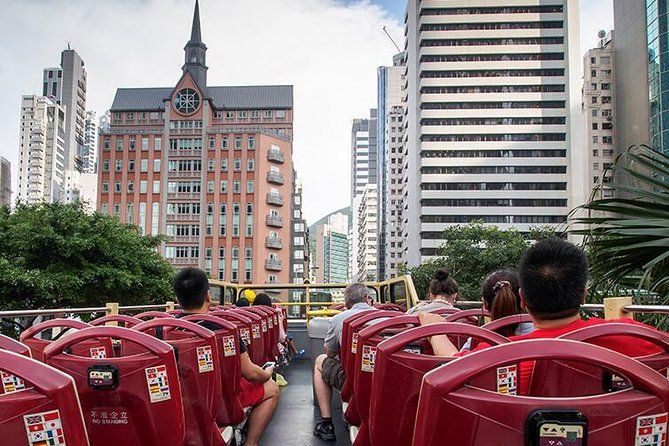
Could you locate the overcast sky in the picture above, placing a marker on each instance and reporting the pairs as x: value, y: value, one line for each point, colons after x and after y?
x: 329, y: 50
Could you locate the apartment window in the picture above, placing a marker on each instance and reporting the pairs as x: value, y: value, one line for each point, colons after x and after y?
x: 224, y: 186
x: 594, y: 126
x: 237, y: 165
x: 593, y: 86
x: 606, y: 86
x: 267, y: 113
x: 595, y: 139
x: 605, y: 60
x: 235, y: 264
x: 210, y: 187
x: 105, y: 187
x: 156, y: 165
x: 298, y: 241
x: 119, y: 144
x: 252, y: 143
x: 235, y: 220
x: 155, y: 211
x: 242, y: 114
x: 238, y: 143
x: 248, y: 263
x: 117, y: 187
x: 132, y: 143
x: 145, y: 143
x: 255, y: 114
x: 249, y: 187
x: 211, y: 165
x: 157, y: 142
x: 249, y: 220
x: 224, y: 143
x: 117, y: 209
x: 222, y: 220
x: 131, y: 165
x: 595, y: 153
x: 119, y: 165
x: 212, y: 143
x: 104, y: 209
x: 105, y: 165
x: 129, y: 213
x: 143, y: 185
x: 224, y: 165
x: 236, y: 187
x: 144, y: 165
x: 595, y: 113
x: 156, y: 187
x: 229, y: 115
x: 280, y: 114
x: 250, y: 165
x: 105, y: 144
x: 131, y: 187
x: 593, y: 73
x: 594, y: 99
x: 299, y: 254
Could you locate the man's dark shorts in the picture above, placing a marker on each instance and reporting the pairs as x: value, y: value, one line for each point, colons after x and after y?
x: 333, y: 373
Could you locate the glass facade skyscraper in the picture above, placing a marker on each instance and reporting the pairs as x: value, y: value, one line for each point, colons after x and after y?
x: 658, y: 73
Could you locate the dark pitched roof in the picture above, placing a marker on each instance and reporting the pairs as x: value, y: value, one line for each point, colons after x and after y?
x: 250, y: 97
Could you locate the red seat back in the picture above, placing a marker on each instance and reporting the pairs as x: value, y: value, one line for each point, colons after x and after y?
x: 392, y: 365
x: 257, y: 355
x: 44, y: 405
x: 350, y: 349
x: 507, y: 321
x: 584, y: 379
x: 389, y: 307
x: 344, y: 352
x: 446, y: 311
x: 122, y: 319
x: 231, y: 411
x: 267, y: 326
x: 466, y: 415
x: 199, y: 361
x: 125, y: 400
x: 12, y: 345
x: 148, y: 315
x: 243, y: 324
x: 11, y: 383
x: 97, y: 348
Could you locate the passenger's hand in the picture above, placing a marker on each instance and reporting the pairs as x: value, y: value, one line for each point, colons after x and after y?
x: 269, y: 370
x: 429, y: 318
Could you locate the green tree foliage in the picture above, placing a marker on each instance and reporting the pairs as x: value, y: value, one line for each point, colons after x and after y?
x: 57, y: 256
x: 471, y: 252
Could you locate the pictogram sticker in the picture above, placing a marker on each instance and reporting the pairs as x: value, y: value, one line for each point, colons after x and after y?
x: 354, y: 343
x: 651, y: 430
x: 270, y: 322
x: 229, y: 346
x: 256, y: 331
x: 11, y: 383
x: 264, y: 325
x: 98, y: 352
x: 553, y: 434
x: 246, y: 335
x: 507, y: 380
x: 276, y: 320
x: 44, y: 429
x: 158, y: 384
x: 368, y: 358
x: 205, y: 359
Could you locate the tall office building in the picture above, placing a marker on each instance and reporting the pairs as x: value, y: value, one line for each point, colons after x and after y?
x: 599, y: 111
x: 90, y: 143
x: 300, y: 236
x: 493, y: 120
x: 367, y: 233
x: 642, y: 117
x: 390, y: 163
x: 42, y: 150
x: 330, y: 250
x: 5, y: 182
x: 210, y: 167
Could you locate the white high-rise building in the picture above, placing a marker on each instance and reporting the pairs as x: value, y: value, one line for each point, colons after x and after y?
x: 42, y: 150
x: 5, y: 182
x: 90, y: 143
x: 494, y: 129
x: 367, y: 233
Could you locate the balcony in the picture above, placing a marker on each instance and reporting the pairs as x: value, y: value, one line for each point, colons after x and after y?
x: 184, y: 217
x: 186, y: 152
x: 273, y: 265
x: 275, y: 177
x: 186, y: 238
x: 183, y: 261
x: 183, y: 195
x: 276, y: 155
x: 185, y: 174
x: 273, y: 242
x: 274, y: 221
x: 275, y: 199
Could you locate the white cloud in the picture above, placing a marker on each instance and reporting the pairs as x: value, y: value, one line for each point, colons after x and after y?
x: 328, y: 51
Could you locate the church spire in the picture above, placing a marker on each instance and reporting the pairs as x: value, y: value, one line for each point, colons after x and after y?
x: 196, y: 52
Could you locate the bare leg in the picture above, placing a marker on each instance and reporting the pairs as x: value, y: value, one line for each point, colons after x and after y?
x: 323, y: 390
x: 292, y: 346
x: 261, y: 414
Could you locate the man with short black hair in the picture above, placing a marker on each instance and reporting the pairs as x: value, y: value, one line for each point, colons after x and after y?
x: 553, y: 286
x: 257, y: 390
x: 328, y: 370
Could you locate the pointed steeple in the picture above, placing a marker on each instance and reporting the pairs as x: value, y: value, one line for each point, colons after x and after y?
x: 196, y: 52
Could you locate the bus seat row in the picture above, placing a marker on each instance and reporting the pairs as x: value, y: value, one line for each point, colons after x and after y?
x: 398, y: 393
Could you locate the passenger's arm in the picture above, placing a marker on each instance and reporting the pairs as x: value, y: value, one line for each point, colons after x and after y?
x: 441, y: 345
x: 252, y: 372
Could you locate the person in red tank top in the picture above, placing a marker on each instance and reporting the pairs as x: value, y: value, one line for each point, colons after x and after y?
x: 553, y: 280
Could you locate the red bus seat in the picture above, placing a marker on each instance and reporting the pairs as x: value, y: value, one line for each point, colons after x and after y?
x: 124, y: 320
x: 244, y: 323
x: 270, y: 336
x: 11, y: 383
x: 472, y: 316
x: 504, y: 322
x: 12, y: 345
x: 259, y: 356
x: 368, y: 339
x: 231, y: 411
x: 198, y: 360
x: 584, y: 379
x: 98, y: 348
x: 451, y: 409
x: 389, y: 307
x: 148, y: 315
x: 393, y: 407
x: 346, y: 336
x: 349, y: 349
x: 445, y: 311
x: 44, y: 411
x: 128, y: 400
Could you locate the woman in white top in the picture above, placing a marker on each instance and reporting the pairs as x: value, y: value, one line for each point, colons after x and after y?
x: 442, y: 293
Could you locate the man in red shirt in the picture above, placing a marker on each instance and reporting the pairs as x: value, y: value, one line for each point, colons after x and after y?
x: 553, y: 280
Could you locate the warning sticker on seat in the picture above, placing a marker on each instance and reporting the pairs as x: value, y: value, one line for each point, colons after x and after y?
x: 354, y: 343
x: 246, y: 335
x: 44, y: 429
x: 256, y: 331
x: 264, y: 325
x: 110, y: 416
x: 651, y: 430
x: 553, y: 434
x: 507, y: 380
x: 158, y: 384
x: 205, y: 359
x: 270, y: 322
x: 11, y: 383
x: 368, y: 357
x: 229, y: 346
x: 98, y: 352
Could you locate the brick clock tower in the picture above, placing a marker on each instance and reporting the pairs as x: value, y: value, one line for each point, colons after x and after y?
x: 209, y: 167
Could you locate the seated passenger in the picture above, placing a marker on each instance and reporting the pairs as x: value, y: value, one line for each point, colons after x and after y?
x: 257, y: 390
x: 442, y: 294
x: 501, y: 297
x: 328, y: 370
x: 242, y: 302
x: 553, y: 285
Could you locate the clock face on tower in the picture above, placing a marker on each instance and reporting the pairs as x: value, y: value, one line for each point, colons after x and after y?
x: 187, y: 101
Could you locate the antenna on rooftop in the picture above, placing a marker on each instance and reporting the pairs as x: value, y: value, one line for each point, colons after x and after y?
x: 68, y: 46
x: 391, y: 39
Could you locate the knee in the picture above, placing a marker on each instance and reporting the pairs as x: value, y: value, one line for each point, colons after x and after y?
x: 318, y: 365
x: 272, y: 390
